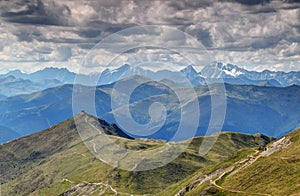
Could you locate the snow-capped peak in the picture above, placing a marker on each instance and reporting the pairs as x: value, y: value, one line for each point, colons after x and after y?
x: 231, y: 70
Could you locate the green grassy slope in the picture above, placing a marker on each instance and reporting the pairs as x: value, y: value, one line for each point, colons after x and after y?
x: 277, y: 174
x: 274, y: 170
x: 55, y: 161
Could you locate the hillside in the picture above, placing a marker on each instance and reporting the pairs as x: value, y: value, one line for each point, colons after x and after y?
x: 274, y: 174
x: 56, y: 161
x: 273, y: 170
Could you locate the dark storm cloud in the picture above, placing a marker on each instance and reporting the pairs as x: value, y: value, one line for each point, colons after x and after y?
x: 265, y: 43
x: 291, y: 1
x: 178, y: 21
x: 248, y: 2
x: 186, y: 4
x: 262, y: 10
x: 87, y: 46
x: 44, y: 50
x: 202, y: 35
x: 24, y: 36
x: 89, y: 33
x: 35, y: 12
x: 97, y: 28
x: 28, y: 34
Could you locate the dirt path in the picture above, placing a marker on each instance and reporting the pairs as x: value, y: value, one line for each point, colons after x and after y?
x: 87, y: 188
x: 214, y: 183
x: 242, y: 164
x: 219, y: 174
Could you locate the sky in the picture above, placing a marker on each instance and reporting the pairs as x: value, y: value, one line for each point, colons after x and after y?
x: 253, y: 34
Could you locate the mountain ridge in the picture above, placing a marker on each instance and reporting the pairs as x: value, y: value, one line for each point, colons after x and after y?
x: 55, y: 160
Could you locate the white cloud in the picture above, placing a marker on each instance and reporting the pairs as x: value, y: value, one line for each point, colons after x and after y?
x: 256, y: 37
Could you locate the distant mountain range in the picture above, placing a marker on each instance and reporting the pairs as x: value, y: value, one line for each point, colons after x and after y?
x: 257, y: 106
x: 10, y: 85
x: 236, y: 75
x: 230, y: 73
x: 6, y: 134
x: 59, y: 74
x: 250, y: 109
x: 16, y: 82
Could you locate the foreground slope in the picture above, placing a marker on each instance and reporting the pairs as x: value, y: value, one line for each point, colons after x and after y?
x: 274, y: 173
x: 56, y: 161
x: 274, y: 170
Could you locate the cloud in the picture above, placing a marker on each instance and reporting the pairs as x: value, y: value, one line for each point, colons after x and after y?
x: 254, y: 33
x: 39, y: 13
x: 248, y: 2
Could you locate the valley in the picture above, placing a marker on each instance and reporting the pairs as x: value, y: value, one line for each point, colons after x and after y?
x: 272, y: 111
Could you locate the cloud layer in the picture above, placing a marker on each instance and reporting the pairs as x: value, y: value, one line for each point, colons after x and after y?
x: 256, y: 35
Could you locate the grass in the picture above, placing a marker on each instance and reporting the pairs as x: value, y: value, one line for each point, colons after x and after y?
x: 277, y: 174
x: 191, y: 181
x: 55, y: 160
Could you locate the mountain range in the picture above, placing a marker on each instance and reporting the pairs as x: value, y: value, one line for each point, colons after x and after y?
x: 16, y: 82
x: 250, y: 109
x: 236, y: 75
x: 265, y: 102
x: 10, y: 86
x: 60, y: 74
x: 230, y: 73
x: 56, y: 162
